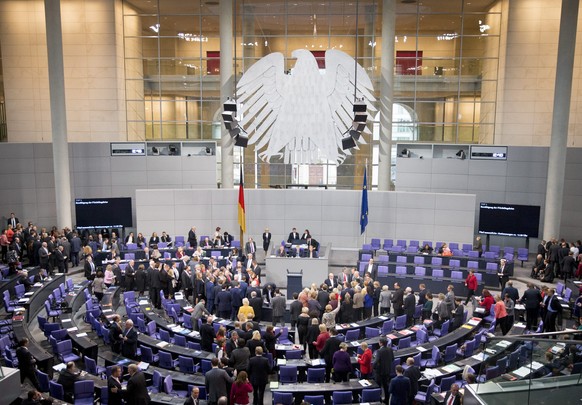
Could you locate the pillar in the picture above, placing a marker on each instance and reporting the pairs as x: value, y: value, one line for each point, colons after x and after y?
x: 386, y: 92
x: 54, y: 44
x: 226, y: 88
x: 560, y: 119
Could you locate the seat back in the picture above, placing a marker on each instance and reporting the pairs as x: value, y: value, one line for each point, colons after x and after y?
x: 283, y: 398
x: 437, y: 273
x: 400, y: 259
x: 288, y: 374
x: 372, y: 332
x: 421, y: 337
x: 56, y: 390
x: 388, y: 326
x: 314, y: 399
x: 341, y: 397
x: 43, y: 381
x: 180, y: 340
x: 401, y: 270
x: 84, y: 389
x: 404, y: 343
x: 454, y: 263
x: 420, y: 271
x: 293, y: 354
x: 450, y: 353
x: 64, y: 347
x: 352, y: 334
x: 400, y: 322
x: 382, y: 271
x: 492, y: 372
x: 168, y: 384
x: 164, y: 335
x: 457, y: 274
x: 372, y: 395
x: 90, y: 365
x: 446, y: 383
x: 315, y: 375
x: 186, y: 364
x: 157, y: 380
x: 418, y: 259
x: 469, y: 348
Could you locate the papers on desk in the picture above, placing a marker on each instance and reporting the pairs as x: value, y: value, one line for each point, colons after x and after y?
x: 491, y: 351
x: 536, y: 366
x: 364, y: 383
x: 421, y: 349
x: 522, y: 371
x: 519, y: 307
x: 107, y: 310
x: 480, y: 356
x: 355, y: 325
x: 355, y: 343
x: 28, y: 294
x: 503, y: 343
x: 479, y: 310
x: 223, y: 321
x: 171, y: 325
x: 143, y: 302
x: 383, y: 317
x: 431, y: 373
x: 66, y: 320
x: 280, y: 347
x: 281, y: 362
x: 23, y: 301
x: 391, y: 336
x: 142, y: 365
x: 81, y: 335
x: 74, y: 328
x: 474, y: 321
x: 274, y: 384
x: 452, y: 368
x: 19, y: 309
x: 467, y: 327
x: 194, y: 334
x: 179, y: 296
x: 406, y: 332
x: 59, y: 367
x: 162, y: 344
x: 318, y: 362
x: 37, y: 285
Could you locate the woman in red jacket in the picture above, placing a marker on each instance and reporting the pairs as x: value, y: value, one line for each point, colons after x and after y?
x: 365, y: 361
x: 487, y: 301
x: 321, y: 338
x: 471, y: 284
x: 241, y: 388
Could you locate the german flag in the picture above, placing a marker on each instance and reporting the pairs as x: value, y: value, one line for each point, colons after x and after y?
x: 241, y: 203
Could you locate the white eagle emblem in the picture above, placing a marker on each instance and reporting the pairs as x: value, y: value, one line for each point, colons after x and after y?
x: 302, y: 116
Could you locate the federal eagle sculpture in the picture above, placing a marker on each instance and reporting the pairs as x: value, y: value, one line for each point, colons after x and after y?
x: 302, y: 116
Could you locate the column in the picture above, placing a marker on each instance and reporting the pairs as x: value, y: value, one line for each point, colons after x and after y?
x: 54, y: 43
x: 386, y: 92
x: 560, y: 119
x: 226, y: 88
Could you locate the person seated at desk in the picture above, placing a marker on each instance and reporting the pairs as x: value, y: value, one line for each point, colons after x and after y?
x: 445, y: 250
x: 293, y: 236
x: 67, y: 378
x: 154, y: 239
x: 426, y: 250
x: 306, y: 235
x: 155, y: 253
x: 193, y: 398
x: 141, y: 241
x: 130, y: 238
x: 486, y: 301
x: 166, y: 238
x: 454, y: 397
x: 206, y: 244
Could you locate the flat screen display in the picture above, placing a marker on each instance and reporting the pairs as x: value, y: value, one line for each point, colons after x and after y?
x: 103, y: 212
x: 509, y: 220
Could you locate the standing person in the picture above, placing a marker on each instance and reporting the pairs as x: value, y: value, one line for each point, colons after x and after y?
x: 155, y: 285
x: 398, y: 300
x: 279, y: 305
x: 259, y: 370
x: 193, y: 398
x: 303, y: 325
x: 130, y: 276
x: 26, y: 363
x: 458, y: 314
x: 365, y: 361
x: 129, y: 345
x: 471, y: 284
x: 115, y: 334
x: 552, y: 307
x: 383, y: 359
x: 531, y: 298
x: 385, y: 299
x: 427, y: 307
x: 342, y: 364
x: 503, y: 273
x: 207, y: 335
x: 217, y: 381
x: 98, y: 286
x: 510, y: 308
x: 409, y: 306
x: 140, y: 279
x: 501, y: 314
x: 331, y: 346
x: 240, y: 390
x: 399, y: 388
x: 295, y: 309
x: 266, y: 240
x: 114, y: 386
x: 413, y: 374
x: 192, y: 239
x: 75, y: 249
x: 137, y: 390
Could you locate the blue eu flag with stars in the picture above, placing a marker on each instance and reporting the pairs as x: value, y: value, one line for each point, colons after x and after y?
x: 364, y: 213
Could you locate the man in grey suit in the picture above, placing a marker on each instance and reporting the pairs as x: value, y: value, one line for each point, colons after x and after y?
x: 217, y: 382
x: 279, y: 304
x: 251, y: 247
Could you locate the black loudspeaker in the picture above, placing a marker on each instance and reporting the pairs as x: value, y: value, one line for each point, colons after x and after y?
x: 354, y: 134
x: 228, y: 116
x: 358, y: 126
x: 234, y: 132
x: 360, y: 106
x: 361, y: 117
x: 230, y: 105
x: 348, y: 143
x: 241, y: 141
x: 230, y: 124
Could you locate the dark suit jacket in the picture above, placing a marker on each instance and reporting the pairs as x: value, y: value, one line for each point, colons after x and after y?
x: 413, y: 374
x: 329, y: 283
x: 532, y: 298
x: 383, y: 362
x: 292, y: 236
x: 457, y: 400
x: 409, y: 304
x: 569, y: 265
x: 9, y: 222
x: 329, y: 348
x: 217, y: 383
x: 192, y: 239
x: 266, y: 240
x: 399, y: 390
x: 190, y: 401
x: 87, y: 268
x: 259, y: 370
x: 114, y: 397
x: 129, y: 346
x: 137, y: 391
x: 25, y: 360
x: 67, y: 380
x: 206, y: 337
x: 248, y: 247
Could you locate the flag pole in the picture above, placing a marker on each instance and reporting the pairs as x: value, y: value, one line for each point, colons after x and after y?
x: 241, y: 184
x: 366, y: 230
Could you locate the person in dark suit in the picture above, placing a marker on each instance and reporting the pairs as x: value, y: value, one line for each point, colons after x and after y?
x: 129, y: 345
x: 414, y: 375
x: 259, y: 370
x: 223, y: 302
x: 503, y: 273
x: 306, y: 235
x: 26, y: 363
x: 193, y: 398
x: 35, y: 398
x: 89, y: 267
x: 397, y: 300
x: 331, y: 281
x: 59, y: 253
x: 140, y: 279
x: 217, y: 382
x: 293, y: 236
x: 553, y: 251
x: 399, y: 388
x: 256, y: 302
x: 207, y: 335
x: 251, y: 247
x: 130, y: 276
x: 227, y: 239
x: 454, y: 397
x: 192, y: 239
x: 542, y: 249
x: 266, y: 240
x: 511, y: 291
x: 137, y: 390
x: 114, y: 386
x: 409, y: 306
x: 569, y: 266
x: 44, y: 255
x: 155, y: 284
x: 372, y: 269
x: 531, y: 298
x: 116, y: 334
x: 12, y: 220
x: 329, y: 348
x: 383, y: 359
x: 68, y: 377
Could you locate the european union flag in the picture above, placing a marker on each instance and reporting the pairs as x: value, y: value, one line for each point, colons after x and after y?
x: 364, y: 213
